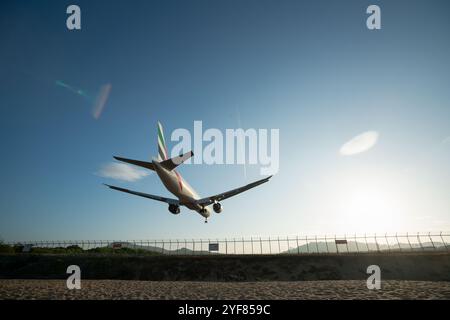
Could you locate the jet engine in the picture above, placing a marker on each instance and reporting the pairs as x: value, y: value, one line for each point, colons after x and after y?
x: 217, y: 207
x: 173, y: 208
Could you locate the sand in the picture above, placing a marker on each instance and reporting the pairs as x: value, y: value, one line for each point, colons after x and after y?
x: 125, y: 289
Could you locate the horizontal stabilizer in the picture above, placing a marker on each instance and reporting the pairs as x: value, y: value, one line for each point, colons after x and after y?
x: 139, y: 163
x: 172, y: 163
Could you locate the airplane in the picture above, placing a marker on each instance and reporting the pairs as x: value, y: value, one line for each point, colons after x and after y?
x: 172, y: 180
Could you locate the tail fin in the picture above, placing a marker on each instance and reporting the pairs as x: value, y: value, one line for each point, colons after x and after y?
x: 162, y: 149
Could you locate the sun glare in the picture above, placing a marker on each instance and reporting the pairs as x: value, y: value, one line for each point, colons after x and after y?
x: 369, y: 204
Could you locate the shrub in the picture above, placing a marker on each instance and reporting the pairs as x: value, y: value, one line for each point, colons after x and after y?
x: 4, y: 248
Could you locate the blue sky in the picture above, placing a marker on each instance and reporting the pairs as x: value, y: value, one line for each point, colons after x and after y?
x: 308, y: 68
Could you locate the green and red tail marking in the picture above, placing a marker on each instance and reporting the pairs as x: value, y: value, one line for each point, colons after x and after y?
x: 163, y: 154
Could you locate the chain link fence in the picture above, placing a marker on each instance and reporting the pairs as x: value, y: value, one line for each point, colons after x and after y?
x: 336, y: 244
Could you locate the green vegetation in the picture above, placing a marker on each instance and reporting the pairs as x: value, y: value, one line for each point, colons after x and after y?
x: 107, y: 250
x: 57, y: 250
x: 4, y: 248
x: 74, y: 249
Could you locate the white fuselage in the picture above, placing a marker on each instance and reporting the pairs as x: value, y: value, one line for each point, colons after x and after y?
x: 173, y: 181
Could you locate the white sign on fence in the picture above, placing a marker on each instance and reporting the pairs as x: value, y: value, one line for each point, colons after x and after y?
x: 213, y: 247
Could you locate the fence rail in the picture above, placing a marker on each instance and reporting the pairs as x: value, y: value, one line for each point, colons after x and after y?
x: 407, y: 242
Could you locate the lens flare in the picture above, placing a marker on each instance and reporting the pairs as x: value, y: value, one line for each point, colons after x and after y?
x: 360, y: 143
x: 72, y: 89
x: 98, y: 102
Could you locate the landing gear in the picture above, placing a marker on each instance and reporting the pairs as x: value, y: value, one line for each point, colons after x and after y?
x: 206, y: 220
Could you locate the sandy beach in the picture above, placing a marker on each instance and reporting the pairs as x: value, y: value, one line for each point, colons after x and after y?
x: 123, y: 289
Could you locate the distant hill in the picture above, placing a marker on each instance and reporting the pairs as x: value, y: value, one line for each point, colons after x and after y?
x: 355, y: 246
x: 179, y: 251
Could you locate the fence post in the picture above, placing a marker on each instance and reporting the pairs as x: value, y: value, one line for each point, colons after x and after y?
x: 376, y: 243
x: 270, y: 245
x: 317, y: 245
x: 307, y: 244
x: 279, y: 247
x: 234, y: 245
x: 398, y: 242
x: 387, y: 241
x: 326, y: 243
x: 337, y: 248
x: 432, y: 243
x: 243, y: 245
x: 260, y: 244
x: 251, y: 240
x: 356, y: 242
x: 420, y: 243
x: 442, y: 238
x: 409, y: 242
x: 193, y: 246
x: 288, y: 245
x: 346, y: 242
x: 298, y: 247
x: 226, y: 246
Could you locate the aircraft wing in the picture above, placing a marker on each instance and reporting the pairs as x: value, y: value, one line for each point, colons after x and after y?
x: 146, y: 195
x: 225, y: 195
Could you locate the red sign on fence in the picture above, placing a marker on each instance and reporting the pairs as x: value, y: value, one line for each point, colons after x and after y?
x: 116, y: 245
